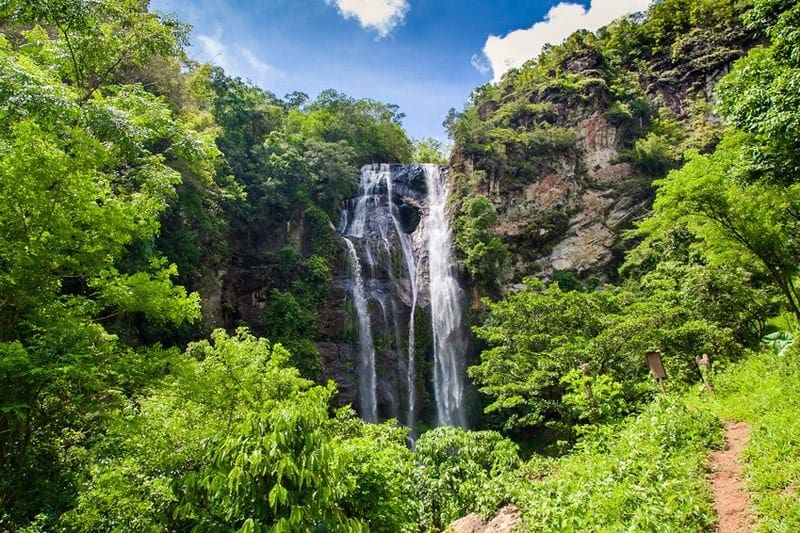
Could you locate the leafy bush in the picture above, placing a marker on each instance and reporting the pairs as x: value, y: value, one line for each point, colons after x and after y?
x: 461, y: 472
x: 383, y: 472
x: 566, y: 281
x: 233, y: 439
x: 486, y: 256
x: 655, y: 154
x: 605, y: 403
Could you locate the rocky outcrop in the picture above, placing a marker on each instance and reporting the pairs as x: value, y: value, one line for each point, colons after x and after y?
x: 503, y: 522
x: 697, y: 62
x: 562, y: 203
x: 567, y: 214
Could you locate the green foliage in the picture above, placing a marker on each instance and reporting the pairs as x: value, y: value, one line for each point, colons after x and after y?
x: 244, y: 439
x: 462, y: 471
x: 275, y: 469
x: 534, y: 337
x: 485, y: 254
x: 86, y: 177
x: 322, y: 239
x: 759, y: 96
x: 654, y: 154
x: 429, y: 150
x: 538, y: 337
x: 647, y: 474
x: 98, y: 40
x: 371, y: 128
x: 739, y: 203
x: 292, y: 324
x: 661, y: 149
x: 383, y: 471
x: 566, y: 281
x: 749, y: 225
x: 332, y: 166
x: 606, y: 403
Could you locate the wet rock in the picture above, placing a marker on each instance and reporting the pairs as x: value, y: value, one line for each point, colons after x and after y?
x: 339, y: 361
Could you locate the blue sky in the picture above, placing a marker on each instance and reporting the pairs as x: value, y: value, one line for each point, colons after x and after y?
x: 425, y: 56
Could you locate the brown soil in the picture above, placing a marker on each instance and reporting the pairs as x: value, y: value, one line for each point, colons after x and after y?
x: 731, y: 501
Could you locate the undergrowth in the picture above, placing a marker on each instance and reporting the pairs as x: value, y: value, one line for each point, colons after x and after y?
x: 649, y: 472
x: 646, y: 474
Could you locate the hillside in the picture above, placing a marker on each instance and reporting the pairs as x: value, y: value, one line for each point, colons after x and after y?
x: 566, y: 147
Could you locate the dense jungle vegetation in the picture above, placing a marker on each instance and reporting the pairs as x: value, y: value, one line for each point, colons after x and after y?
x: 130, y: 175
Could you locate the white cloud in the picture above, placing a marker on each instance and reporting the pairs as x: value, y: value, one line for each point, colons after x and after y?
x: 237, y: 60
x: 513, y: 49
x: 481, y: 64
x: 381, y: 15
x: 255, y: 63
x: 213, y: 48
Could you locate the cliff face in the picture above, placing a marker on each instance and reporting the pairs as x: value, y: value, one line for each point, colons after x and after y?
x: 566, y: 148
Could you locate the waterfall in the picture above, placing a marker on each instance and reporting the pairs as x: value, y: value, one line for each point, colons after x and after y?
x: 449, y: 344
x: 398, y: 243
x: 411, y: 271
x: 366, y: 348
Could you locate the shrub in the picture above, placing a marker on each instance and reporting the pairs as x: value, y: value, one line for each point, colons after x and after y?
x: 461, y: 472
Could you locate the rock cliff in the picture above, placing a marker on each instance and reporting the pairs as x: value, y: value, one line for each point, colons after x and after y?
x: 567, y: 148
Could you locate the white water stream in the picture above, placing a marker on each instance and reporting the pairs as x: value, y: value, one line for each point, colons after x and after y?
x: 366, y: 349
x: 449, y: 343
x: 373, y: 232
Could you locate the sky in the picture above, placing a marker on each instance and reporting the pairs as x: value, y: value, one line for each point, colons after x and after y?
x: 426, y: 56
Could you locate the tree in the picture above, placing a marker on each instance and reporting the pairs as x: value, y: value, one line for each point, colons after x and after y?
x: 537, y: 338
x: 533, y: 338
x: 100, y: 38
x: 371, y: 128
x: 742, y: 202
x: 85, y: 181
x: 760, y: 95
x: 752, y: 225
x: 429, y: 150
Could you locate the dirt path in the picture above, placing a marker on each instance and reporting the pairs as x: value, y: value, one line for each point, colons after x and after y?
x: 731, y: 501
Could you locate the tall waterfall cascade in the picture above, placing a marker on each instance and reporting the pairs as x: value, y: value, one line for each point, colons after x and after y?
x: 405, y: 295
x: 449, y: 344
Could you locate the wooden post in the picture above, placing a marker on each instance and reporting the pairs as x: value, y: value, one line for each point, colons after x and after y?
x: 704, y: 365
x: 656, y: 367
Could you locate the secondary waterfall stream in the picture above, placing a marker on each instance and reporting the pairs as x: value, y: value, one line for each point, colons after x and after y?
x: 366, y: 350
x: 397, y: 237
